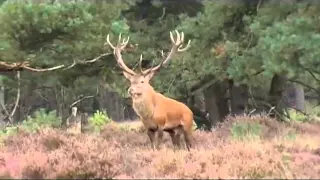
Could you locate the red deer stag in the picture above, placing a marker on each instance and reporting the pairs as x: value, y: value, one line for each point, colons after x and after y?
x: 157, y: 112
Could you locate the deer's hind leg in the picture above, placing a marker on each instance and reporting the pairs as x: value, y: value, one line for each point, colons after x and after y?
x: 175, y: 138
x: 187, y: 139
x: 155, y: 136
x: 175, y: 135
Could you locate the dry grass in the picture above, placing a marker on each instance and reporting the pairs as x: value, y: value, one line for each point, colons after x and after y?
x: 123, y: 151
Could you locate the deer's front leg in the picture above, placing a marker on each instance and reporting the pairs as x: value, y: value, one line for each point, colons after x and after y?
x: 159, y: 137
x: 152, y: 136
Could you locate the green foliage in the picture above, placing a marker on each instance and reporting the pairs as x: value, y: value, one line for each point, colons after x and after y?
x: 9, y: 131
x: 126, y: 128
x: 208, y: 36
x: 313, y: 109
x: 316, y: 111
x: 38, y: 120
x: 120, y: 27
x: 42, y: 24
x: 297, y: 116
x: 291, y: 135
x: 41, y: 119
x: 275, y: 38
x: 194, y: 126
x: 49, y: 34
x: 99, y: 120
x: 245, y: 130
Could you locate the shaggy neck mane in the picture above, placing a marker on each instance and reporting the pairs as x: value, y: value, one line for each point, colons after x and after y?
x: 144, y: 107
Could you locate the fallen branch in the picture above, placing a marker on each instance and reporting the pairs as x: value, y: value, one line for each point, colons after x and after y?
x: 272, y: 109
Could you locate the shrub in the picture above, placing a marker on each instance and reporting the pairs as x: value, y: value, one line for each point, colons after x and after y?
x: 98, y: 120
x: 313, y: 108
x: 291, y: 135
x: 297, y: 116
x: 41, y: 119
x: 10, y: 130
x: 244, y: 130
x: 33, y: 123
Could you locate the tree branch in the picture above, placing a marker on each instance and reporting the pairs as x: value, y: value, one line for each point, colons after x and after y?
x: 79, y: 100
x: 257, y: 73
x: 42, y: 70
x: 16, y: 103
x: 4, y: 66
x: 202, y: 84
x: 313, y: 75
x: 87, y: 61
x: 305, y: 85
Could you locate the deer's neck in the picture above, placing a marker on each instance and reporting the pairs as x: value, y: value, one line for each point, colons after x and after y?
x: 144, y: 106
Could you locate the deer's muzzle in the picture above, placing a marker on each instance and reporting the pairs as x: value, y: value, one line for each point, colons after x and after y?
x: 134, y: 93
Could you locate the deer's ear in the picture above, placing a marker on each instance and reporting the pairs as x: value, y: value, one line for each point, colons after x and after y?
x: 149, y: 75
x: 127, y: 75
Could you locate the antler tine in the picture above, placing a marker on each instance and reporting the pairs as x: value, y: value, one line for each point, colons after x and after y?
x: 178, y: 41
x: 176, y: 47
x: 182, y: 36
x: 180, y: 49
x: 181, y: 40
x: 117, y: 53
x: 110, y: 44
x: 125, y: 42
x: 119, y: 38
x: 140, y: 63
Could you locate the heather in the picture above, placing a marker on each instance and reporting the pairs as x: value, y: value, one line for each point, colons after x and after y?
x: 251, y: 77
x: 241, y: 147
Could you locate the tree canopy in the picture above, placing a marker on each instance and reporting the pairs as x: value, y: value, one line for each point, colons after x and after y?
x: 247, y: 43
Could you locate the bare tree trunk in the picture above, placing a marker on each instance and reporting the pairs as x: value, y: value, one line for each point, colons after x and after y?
x: 113, y: 103
x: 211, y: 105
x: 215, y: 102
x: 129, y: 113
x: 277, y: 88
x: 198, y: 101
x: 300, y: 99
x: 223, y: 105
x: 198, y: 108
x: 295, y: 97
x: 2, y: 101
x: 223, y: 100
x: 238, y: 98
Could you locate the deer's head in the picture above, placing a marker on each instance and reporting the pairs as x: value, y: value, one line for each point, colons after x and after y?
x: 139, y: 82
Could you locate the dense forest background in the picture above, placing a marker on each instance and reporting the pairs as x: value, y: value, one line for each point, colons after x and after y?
x: 246, y: 56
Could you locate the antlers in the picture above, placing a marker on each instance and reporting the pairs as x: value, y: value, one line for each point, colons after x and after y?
x: 117, y: 52
x: 176, y: 47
